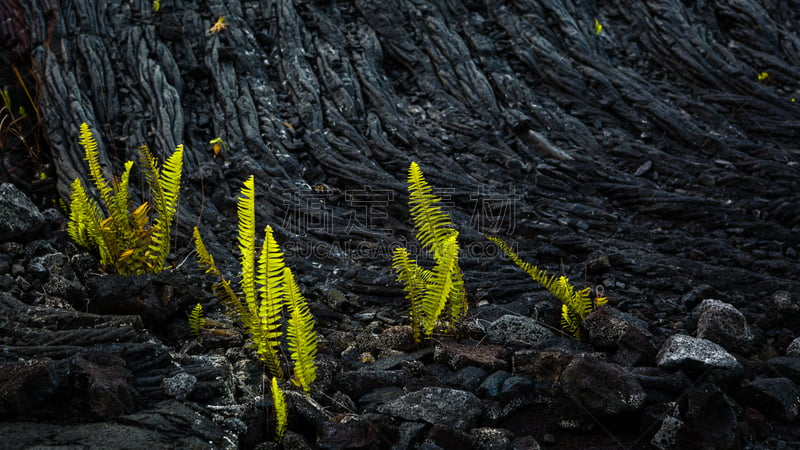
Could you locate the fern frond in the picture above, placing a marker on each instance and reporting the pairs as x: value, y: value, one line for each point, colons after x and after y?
x: 84, y: 216
x: 196, y: 321
x: 133, y: 259
x: 267, y: 289
x: 433, y: 225
x: 271, y: 285
x: 170, y: 178
x: 121, y: 203
x: 537, y: 274
x: 301, y: 335
x: 140, y: 216
x: 247, y: 242
x: 441, y: 285
x: 149, y: 168
x: 576, y: 305
x: 457, y: 303
x: 164, y: 191
x: 89, y: 145
x: 109, y: 243
x: 222, y: 289
x: 414, y: 279
x: 570, y: 321
x: 281, y: 411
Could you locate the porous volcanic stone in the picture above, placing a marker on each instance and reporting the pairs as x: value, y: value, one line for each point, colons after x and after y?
x: 694, y: 354
x: 19, y: 217
x: 517, y: 330
x: 709, y: 418
x: 775, y: 397
x: 456, y: 356
x: 434, y: 405
x: 794, y: 348
x: 725, y: 325
x: 609, y: 328
x: 356, y: 383
x: 604, y: 389
x: 349, y: 434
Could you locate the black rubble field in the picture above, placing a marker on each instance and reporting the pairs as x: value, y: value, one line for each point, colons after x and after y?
x: 649, y: 148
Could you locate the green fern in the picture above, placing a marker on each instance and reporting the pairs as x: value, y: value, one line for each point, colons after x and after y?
x: 269, y: 297
x: 272, y: 278
x: 575, y: 304
x: 414, y: 279
x: 196, y: 321
x: 132, y: 241
x: 437, y: 297
x: 432, y: 224
x: 302, y: 337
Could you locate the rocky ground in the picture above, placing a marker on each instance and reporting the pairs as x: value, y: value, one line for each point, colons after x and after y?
x: 657, y: 158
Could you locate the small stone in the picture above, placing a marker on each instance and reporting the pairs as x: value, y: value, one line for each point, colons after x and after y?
x: 784, y: 311
x: 609, y: 328
x: 23, y: 284
x: 6, y: 281
x: 486, y: 438
x: 786, y: 366
x: 604, y: 389
x: 38, y: 270
x: 410, y: 433
x: 724, y: 324
x: 694, y: 354
x: 179, y: 386
x: 516, y: 386
x: 356, y: 383
x: 517, y: 330
x: 546, y: 364
x: 709, y: 419
x: 17, y: 269
x: 775, y: 397
x: 666, y: 436
x: 794, y: 348
x: 19, y: 217
x: 398, y: 337
x: 525, y: 443
x: 661, y: 385
x: 467, y: 378
x: 350, y: 434
x: 451, y: 407
x: 456, y: 356
x: 492, y: 384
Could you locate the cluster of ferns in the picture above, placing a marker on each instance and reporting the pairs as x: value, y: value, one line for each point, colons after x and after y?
x: 136, y: 240
x: 267, y: 302
x: 436, y: 296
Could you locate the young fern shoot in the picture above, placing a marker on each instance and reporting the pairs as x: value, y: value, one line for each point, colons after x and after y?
x: 436, y: 296
x: 196, y: 321
x: 269, y: 297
